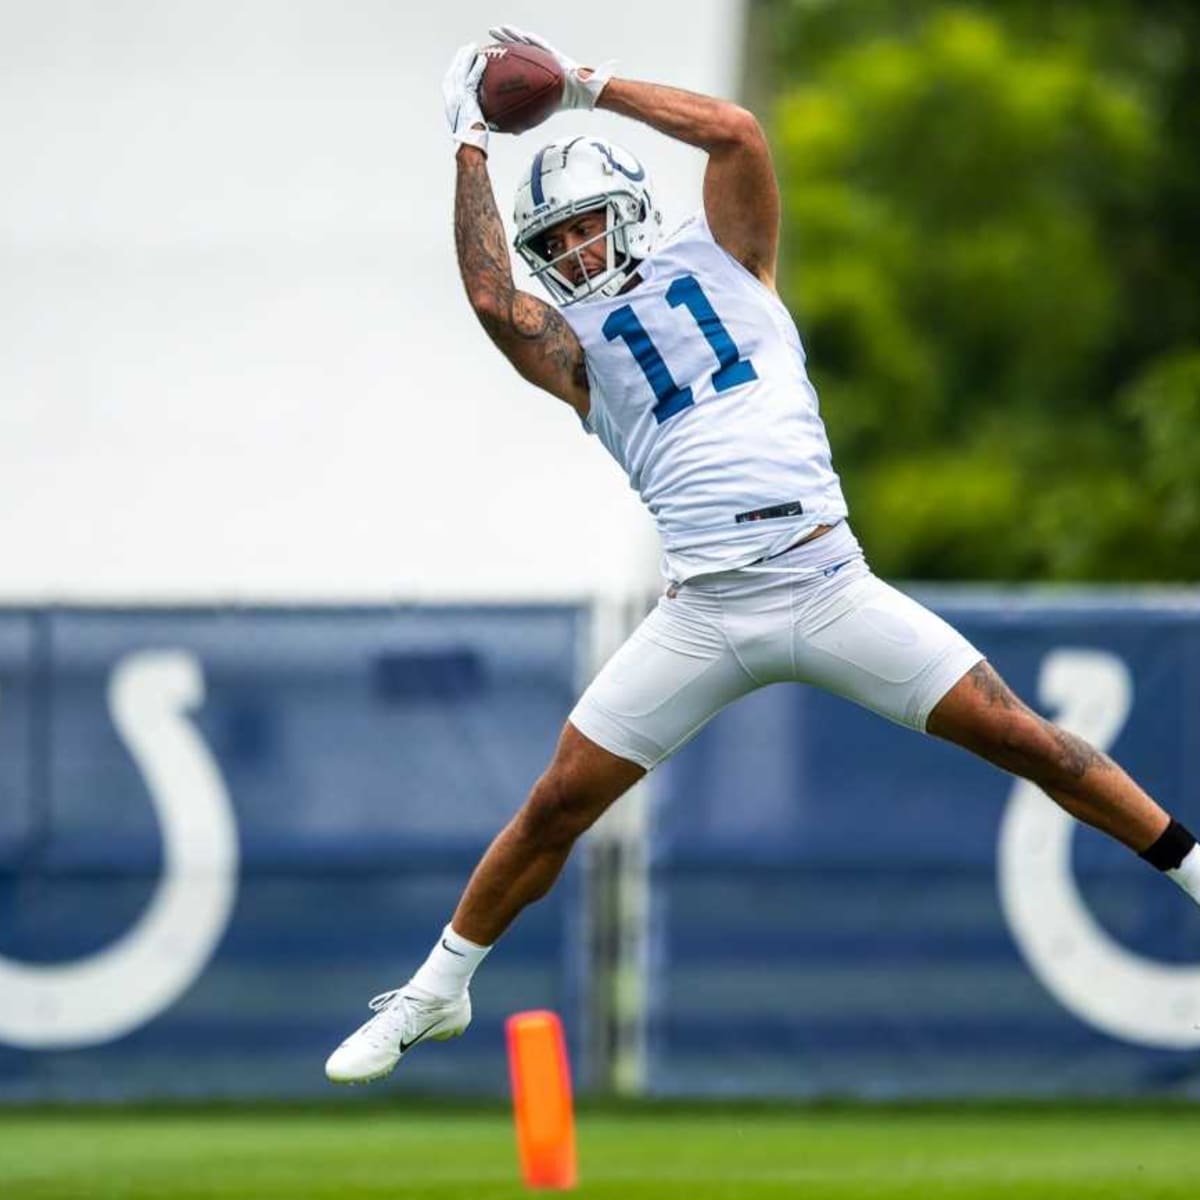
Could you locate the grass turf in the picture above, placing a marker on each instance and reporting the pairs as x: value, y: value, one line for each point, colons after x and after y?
x: 699, y: 1154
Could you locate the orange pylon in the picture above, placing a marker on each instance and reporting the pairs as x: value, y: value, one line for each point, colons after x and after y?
x: 542, y: 1108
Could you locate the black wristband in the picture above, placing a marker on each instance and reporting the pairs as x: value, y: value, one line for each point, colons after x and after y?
x: 1170, y: 849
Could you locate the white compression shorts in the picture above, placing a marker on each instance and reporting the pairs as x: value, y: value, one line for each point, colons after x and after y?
x: 815, y: 614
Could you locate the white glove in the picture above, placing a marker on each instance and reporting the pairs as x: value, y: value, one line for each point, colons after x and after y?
x: 460, y: 91
x: 583, y: 84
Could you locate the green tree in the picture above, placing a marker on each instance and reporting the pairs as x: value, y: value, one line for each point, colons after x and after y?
x: 973, y: 206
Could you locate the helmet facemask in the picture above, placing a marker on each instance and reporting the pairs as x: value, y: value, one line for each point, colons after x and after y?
x: 584, y: 175
x: 620, y: 212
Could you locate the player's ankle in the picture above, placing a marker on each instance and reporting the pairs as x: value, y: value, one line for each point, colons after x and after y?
x: 1175, y: 853
x: 447, y: 972
x: 414, y: 991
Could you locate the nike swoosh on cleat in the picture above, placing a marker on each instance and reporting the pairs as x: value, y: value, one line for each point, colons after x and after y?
x: 407, y: 1046
x: 456, y: 953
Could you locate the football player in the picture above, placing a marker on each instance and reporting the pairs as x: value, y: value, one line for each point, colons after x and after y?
x: 679, y: 356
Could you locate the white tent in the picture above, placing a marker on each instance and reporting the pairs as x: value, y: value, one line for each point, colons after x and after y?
x: 236, y: 361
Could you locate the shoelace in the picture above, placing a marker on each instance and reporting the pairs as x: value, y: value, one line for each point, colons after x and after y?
x: 390, y: 1019
x: 380, y: 1002
x: 388, y: 1022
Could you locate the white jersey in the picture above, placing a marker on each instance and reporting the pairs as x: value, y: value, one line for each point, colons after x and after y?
x: 699, y: 391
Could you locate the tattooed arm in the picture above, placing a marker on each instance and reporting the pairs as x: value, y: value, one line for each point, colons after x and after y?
x: 531, y: 334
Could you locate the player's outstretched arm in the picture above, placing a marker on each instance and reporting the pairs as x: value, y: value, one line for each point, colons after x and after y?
x: 741, y: 196
x: 531, y: 334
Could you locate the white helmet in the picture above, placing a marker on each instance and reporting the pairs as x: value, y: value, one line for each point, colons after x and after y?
x: 580, y: 175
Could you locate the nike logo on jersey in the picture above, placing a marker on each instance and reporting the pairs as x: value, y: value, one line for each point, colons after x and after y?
x: 793, y: 508
x: 451, y: 950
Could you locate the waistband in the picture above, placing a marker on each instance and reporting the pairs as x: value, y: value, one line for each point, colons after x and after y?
x: 808, y: 557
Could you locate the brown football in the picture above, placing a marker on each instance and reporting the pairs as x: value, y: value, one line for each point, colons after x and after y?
x: 521, y: 86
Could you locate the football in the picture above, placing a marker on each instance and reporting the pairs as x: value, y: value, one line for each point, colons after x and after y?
x: 521, y: 86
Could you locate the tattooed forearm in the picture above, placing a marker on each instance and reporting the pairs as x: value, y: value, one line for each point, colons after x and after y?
x: 535, y: 338
x: 479, y: 237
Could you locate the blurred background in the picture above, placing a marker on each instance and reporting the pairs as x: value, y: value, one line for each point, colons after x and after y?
x: 301, y: 580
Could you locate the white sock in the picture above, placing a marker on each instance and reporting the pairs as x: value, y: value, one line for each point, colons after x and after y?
x: 448, y: 969
x: 1187, y: 874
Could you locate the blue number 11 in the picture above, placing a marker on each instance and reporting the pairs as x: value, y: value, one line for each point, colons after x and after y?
x: 732, y: 370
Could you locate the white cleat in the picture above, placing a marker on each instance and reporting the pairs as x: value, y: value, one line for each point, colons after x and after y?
x: 402, y: 1019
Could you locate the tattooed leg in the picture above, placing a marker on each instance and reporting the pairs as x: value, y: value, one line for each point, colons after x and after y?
x: 982, y: 714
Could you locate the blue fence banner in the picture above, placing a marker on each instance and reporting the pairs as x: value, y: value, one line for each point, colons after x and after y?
x: 221, y: 832
x: 843, y: 907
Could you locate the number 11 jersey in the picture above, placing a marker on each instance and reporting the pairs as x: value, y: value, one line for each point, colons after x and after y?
x: 699, y: 390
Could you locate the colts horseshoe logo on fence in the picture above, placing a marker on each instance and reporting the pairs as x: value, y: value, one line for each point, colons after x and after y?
x: 107, y: 994
x: 1124, y: 994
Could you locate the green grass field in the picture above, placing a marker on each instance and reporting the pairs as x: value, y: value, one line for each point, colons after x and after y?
x: 696, y: 1154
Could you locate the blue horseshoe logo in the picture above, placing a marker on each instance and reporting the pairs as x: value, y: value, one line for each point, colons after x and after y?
x: 633, y: 176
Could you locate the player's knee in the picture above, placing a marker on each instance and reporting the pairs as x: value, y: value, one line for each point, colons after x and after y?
x: 557, y: 811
